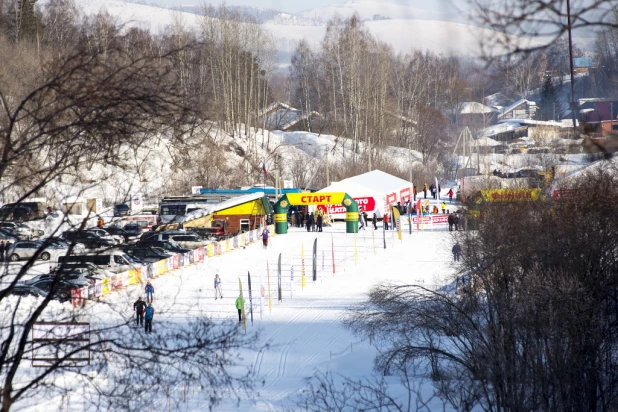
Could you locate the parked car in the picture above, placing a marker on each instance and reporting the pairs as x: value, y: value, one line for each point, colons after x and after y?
x: 10, y: 235
x: 89, y: 239
x: 115, y: 230
x: 75, y: 278
x: 63, y: 288
x: 27, y: 248
x: 122, y: 210
x: 90, y: 270
x: 147, y: 254
x: 190, y: 241
x: 133, y: 229
x: 22, y: 229
x: 104, y: 234
x: 63, y: 243
x: 164, y: 234
x: 22, y: 289
x: 15, y: 212
x: 167, y: 245
x: 112, y: 259
x: 36, y: 207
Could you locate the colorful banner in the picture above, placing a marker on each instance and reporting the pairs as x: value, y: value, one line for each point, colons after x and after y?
x: 367, y: 204
x: 210, y: 250
x: 510, y: 195
x: 302, y: 265
x: 175, y: 261
x: 304, y: 199
x: 397, y: 219
x: 135, y: 276
x: 391, y: 198
x: 433, y: 219
x: 404, y: 194
x: 105, y: 286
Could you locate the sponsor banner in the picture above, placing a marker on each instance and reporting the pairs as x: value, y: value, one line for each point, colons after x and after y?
x: 509, y: 195
x: 281, y: 217
x: 90, y: 290
x: 98, y: 288
x: 217, y: 248
x: 105, y: 286
x: 315, y: 198
x: 227, y: 245
x: 210, y: 250
x: 251, y: 236
x: 351, y: 216
x: 117, y: 281
x: 188, y: 258
x: 181, y: 260
x: 195, y: 257
x: 125, y: 278
x: 367, y: 204
x: 404, y: 195
x: 391, y: 198
x: 235, y: 242
x: 200, y: 253
x: 434, y: 219
x: 162, y: 266
x: 150, y: 270
x: 169, y: 264
x: 134, y: 276
x: 76, y: 297
x: 567, y: 194
x: 175, y: 261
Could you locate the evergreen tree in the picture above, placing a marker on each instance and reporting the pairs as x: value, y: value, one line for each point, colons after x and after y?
x: 549, y: 104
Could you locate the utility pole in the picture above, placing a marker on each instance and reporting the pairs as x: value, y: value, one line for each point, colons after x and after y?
x: 277, y: 178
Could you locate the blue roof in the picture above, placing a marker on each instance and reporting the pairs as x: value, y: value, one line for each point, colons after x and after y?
x: 582, y: 62
x: 267, y: 191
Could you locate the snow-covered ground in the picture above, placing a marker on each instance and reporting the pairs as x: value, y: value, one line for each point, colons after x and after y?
x: 303, y: 333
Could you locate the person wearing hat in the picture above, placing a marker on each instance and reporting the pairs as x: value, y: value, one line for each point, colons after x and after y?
x: 138, y: 307
x: 149, y: 292
x: 148, y: 315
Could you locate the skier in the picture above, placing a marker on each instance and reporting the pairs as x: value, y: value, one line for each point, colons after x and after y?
x: 456, y: 252
x: 149, y: 292
x: 385, y: 221
x: 443, y: 207
x: 138, y: 307
x: 425, y: 190
x: 218, y: 287
x: 375, y: 221
x: 265, y: 234
x: 361, y: 221
x: 240, y: 303
x: 148, y: 315
x: 365, y: 217
x: 450, y: 195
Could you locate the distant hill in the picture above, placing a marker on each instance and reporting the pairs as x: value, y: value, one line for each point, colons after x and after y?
x: 404, y: 27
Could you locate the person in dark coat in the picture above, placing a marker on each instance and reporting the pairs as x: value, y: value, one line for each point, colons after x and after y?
x: 414, y: 191
x: 375, y: 221
x: 456, y: 252
x: 451, y: 222
x: 456, y: 221
x: 365, y: 217
x: 425, y: 190
x: 139, y: 307
x: 148, y: 315
x: 320, y: 221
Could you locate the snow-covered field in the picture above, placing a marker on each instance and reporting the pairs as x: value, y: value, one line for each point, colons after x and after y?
x: 302, y: 333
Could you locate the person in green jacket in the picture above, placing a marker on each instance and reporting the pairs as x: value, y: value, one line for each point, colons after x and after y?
x: 240, y: 303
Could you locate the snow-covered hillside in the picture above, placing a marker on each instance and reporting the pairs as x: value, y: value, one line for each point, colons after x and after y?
x: 423, y: 28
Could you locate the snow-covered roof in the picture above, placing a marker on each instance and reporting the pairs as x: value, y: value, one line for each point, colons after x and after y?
x: 351, y: 188
x: 226, y: 204
x: 486, y: 141
x: 499, y: 128
x: 523, y: 122
x: 514, y: 105
x: 379, y: 181
x: 475, y: 108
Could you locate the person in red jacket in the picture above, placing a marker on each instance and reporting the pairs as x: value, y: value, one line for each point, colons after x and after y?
x: 385, y: 220
x: 450, y: 195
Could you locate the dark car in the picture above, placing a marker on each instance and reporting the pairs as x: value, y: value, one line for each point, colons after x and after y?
x: 23, y: 289
x: 117, y: 231
x: 63, y: 288
x: 88, y: 239
x: 147, y: 254
x: 17, y: 213
x: 167, y: 245
x: 74, y: 278
x: 133, y: 229
x: 10, y: 235
x: 62, y: 243
x: 122, y: 210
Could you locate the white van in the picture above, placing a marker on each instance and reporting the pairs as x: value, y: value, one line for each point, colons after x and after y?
x: 113, y: 260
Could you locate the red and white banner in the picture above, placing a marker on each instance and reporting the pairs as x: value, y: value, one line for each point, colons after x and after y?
x: 366, y: 204
x: 434, y: 219
x: 391, y: 199
x: 404, y: 195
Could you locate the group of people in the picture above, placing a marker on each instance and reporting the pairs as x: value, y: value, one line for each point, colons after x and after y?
x: 313, y: 221
x: 454, y: 221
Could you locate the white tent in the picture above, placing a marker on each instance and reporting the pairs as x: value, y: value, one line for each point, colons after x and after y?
x: 373, y: 191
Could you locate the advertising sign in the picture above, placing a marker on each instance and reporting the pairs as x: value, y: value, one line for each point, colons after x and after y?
x: 137, y: 203
x: 367, y: 204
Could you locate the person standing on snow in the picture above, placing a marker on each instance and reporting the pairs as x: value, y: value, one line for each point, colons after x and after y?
x: 456, y: 252
x: 361, y: 221
x: 443, y: 207
x: 149, y: 292
x: 240, y: 304
x: 148, y: 315
x: 265, y: 234
x: 450, y: 195
x: 385, y: 221
x: 218, y: 287
x: 414, y: 191
x: 425, y: 190
x: 138, y: 307
x: 375, y: 221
